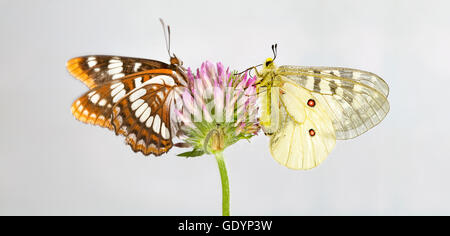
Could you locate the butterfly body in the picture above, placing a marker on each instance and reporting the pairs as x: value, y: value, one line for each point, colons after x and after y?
x: 305, y: 109
x: 265, y: 85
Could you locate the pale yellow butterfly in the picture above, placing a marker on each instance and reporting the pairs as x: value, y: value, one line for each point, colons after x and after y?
x: 305, y: 109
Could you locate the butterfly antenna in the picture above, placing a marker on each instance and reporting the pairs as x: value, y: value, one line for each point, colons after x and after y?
x: 275, y: 51
x: 250, y: 73
x: 166, y: 30
x: 248, y: 69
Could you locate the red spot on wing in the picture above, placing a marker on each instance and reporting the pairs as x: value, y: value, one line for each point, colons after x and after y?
x: 311, y: 102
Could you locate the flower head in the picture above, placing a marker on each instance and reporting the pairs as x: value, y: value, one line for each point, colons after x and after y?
x: 219, y: 109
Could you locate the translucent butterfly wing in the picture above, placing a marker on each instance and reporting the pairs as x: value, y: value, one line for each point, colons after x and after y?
x: 95, y: 70
x: 355, y: 101
x: 341, y: 74
x: 306, y: 135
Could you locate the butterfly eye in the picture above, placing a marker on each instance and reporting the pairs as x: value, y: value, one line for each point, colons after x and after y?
x: 311, y: 102
x: 269, y: 61
x: 312, y: 132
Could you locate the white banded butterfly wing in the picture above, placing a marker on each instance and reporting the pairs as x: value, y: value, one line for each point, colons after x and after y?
x: 356, y: 100
x: 114, y: 80
x: 95, y: 70
x: 143, y: 115
x: 95, y: 106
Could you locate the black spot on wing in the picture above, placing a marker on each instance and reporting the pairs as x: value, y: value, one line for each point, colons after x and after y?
x: 346, y: 74
x: 333, y: 87
x: 317, y: 81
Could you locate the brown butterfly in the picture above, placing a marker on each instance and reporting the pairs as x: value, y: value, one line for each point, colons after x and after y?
x: 132, y: 96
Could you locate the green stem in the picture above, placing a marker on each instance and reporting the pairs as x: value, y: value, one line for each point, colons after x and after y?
x: 225, y: 184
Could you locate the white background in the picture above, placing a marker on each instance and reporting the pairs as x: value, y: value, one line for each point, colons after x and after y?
x: 51, y: 164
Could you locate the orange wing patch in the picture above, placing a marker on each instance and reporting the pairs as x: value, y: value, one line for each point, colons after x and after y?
x: 76, y: 68
x: 90, y: 111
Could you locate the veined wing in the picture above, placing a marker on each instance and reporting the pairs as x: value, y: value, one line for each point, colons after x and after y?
x: 144, y: 117
x: 95, y: 70
x: 95, y: 106
x: 356, y: 102
x: 306, y: 135
x: 343, y: 75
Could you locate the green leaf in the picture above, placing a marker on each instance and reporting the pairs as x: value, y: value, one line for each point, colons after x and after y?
x: 193, y: 153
